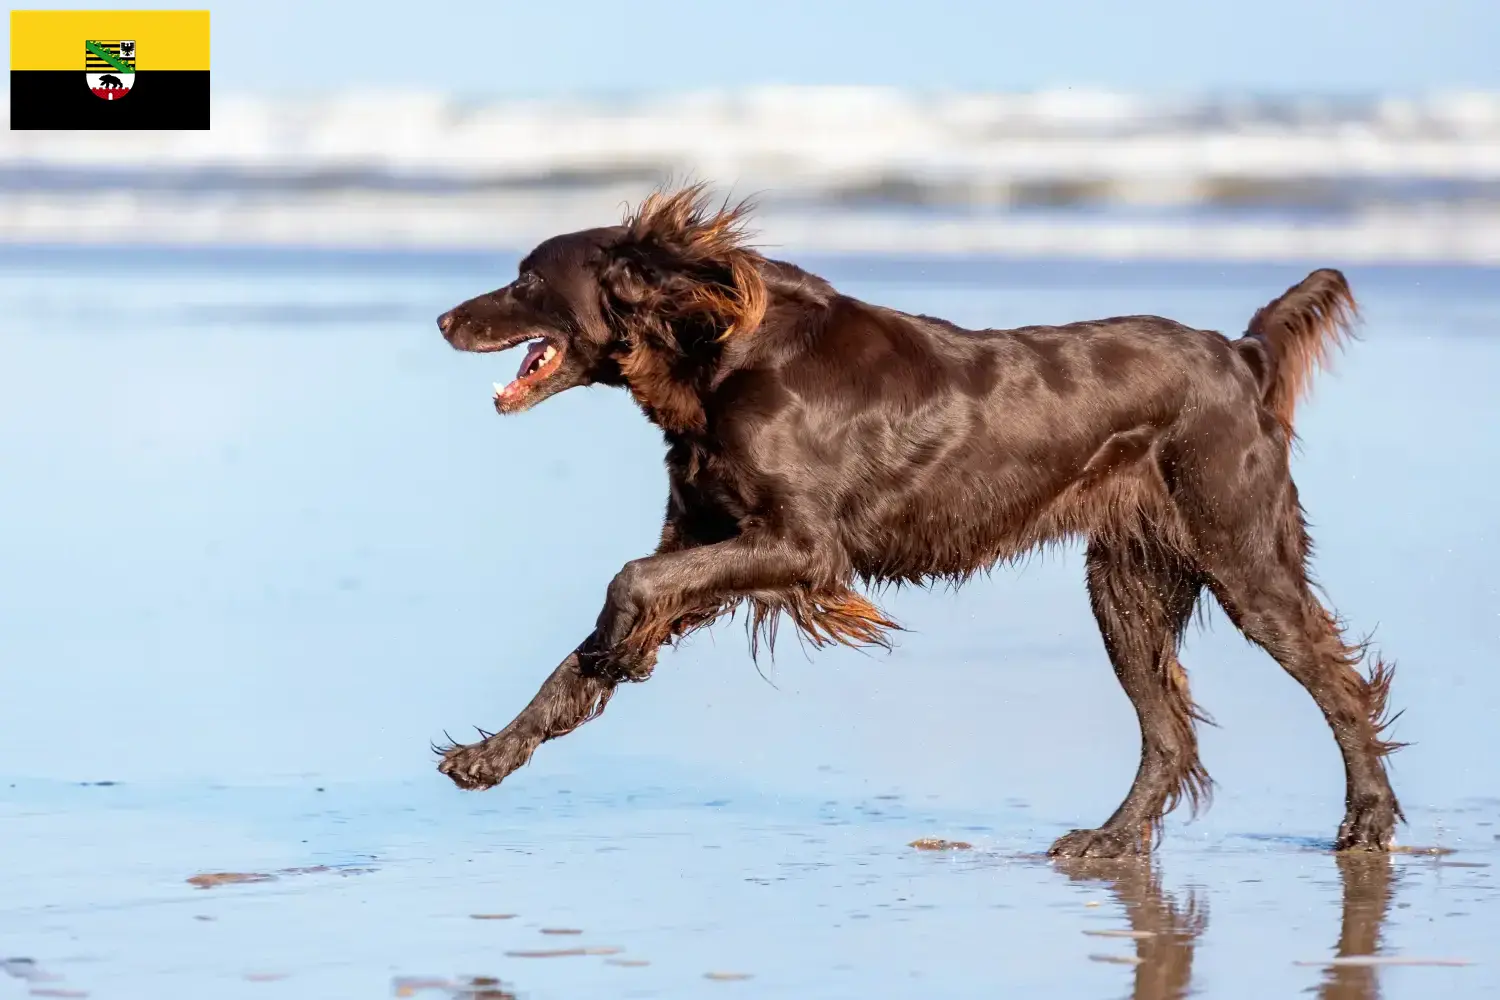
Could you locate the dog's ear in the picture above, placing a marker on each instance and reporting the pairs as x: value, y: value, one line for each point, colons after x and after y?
x: 678, y: 281
x: 689, y: 266
x: 625, y: 280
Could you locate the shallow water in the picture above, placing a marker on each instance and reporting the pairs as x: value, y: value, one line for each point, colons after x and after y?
x: 263, y: 538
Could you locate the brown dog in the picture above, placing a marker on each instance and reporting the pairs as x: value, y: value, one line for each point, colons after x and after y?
x: 814, y: 440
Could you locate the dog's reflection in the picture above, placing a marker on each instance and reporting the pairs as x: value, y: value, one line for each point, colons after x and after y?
x: 1165, y: 929
x: 1365, y: 880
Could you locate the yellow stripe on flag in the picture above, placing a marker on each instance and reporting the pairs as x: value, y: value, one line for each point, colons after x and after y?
x: 53, y: 39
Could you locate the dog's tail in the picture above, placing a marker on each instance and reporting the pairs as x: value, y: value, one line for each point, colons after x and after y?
x: 1292, y: 336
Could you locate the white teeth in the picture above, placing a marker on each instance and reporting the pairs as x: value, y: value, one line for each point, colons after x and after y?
x: 549, y: 354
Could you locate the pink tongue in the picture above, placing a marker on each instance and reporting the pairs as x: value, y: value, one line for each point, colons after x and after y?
x: 537, y: 350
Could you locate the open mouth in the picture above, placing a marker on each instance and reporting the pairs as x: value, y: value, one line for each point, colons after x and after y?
x: 542, y: 359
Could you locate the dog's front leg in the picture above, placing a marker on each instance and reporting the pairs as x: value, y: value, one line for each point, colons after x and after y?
x: 649, y: 601
x: 571, y: 696
x: 653, y: 599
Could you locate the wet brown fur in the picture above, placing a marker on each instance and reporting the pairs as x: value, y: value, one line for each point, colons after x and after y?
x: 815, y: 442
x: 718, y: 289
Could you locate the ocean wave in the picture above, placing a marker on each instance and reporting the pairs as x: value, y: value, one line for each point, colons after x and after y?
x: 956, y: 170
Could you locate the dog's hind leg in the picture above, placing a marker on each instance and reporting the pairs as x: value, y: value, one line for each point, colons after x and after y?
x: 1258, y: 574
x: 1143, y: 595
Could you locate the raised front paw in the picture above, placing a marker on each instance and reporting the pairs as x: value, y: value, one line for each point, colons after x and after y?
x: 487, y: 763
x: 1098, y: 844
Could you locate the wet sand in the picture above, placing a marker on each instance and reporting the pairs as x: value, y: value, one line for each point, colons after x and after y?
x: 667, y: 893
x: 265, y: 540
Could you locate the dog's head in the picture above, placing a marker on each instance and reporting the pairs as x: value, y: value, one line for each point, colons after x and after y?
x: 647, y: 304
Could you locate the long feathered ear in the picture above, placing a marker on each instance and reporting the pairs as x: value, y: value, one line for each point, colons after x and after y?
x: 689, y: 265
x: 680, y: 280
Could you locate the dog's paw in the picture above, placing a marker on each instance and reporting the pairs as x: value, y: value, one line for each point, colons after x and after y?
x: 1096, y: 844
x: 1368, y: 827
x: 487, y: 763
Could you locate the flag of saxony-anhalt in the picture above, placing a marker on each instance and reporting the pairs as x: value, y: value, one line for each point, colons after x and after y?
x: 109, y: 69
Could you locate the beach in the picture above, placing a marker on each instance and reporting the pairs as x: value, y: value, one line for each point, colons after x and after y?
x: 265, y: 539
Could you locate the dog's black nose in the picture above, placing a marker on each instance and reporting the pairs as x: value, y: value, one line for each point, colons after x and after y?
x: 445, y: 321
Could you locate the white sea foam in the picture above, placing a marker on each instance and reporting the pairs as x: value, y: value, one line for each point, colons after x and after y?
x: 1373, y: 179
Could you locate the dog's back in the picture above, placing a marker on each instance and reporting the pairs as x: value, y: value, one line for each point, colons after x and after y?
x: 945, y: 450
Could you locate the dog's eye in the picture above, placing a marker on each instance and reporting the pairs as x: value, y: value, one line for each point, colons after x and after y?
x: 528, y: 281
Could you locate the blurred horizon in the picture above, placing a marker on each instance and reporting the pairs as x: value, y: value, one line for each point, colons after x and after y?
x: 1062, y: 172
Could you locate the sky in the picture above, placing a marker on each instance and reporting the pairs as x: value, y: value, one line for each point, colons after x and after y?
x: 593, y: 47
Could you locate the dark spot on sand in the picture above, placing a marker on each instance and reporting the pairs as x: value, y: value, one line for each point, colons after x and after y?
x: 410, y: 986
x: 628, y: 963
x: 938, y: 844
x: 484, y: 981
x: 726, y: 977
x: 561, y: 930
x: 492, y: 916
x: 210, y: 879
x: 19, y: 968
x: 564, y: 952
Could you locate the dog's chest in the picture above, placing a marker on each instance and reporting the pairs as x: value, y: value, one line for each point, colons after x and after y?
x: 709, y: 496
